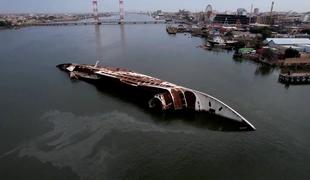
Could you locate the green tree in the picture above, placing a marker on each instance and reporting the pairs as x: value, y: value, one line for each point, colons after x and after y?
x: 238, y: 45
x: 257, y: 43
x: 5, y: 24
x: 291, y: 53
x: 305, y: 31
x: 269, y: 54
x: 264, y: 31
x: 229, y: 34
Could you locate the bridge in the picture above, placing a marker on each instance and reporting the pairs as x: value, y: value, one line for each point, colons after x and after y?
x: 100, y: 22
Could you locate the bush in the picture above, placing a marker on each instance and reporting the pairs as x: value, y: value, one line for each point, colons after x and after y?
x: 238, y: 45
x: 5, y: 24
x: 305, y: 31
x: 229, y: 34
x: 269, y: 54
x: 2, y: 23
x: 291, y: 53
x: 264, y: 31
x: 258, y: 43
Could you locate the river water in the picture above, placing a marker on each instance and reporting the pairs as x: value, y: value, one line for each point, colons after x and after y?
x: 53, y: 128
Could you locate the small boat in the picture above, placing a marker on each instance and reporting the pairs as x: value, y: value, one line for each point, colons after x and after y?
x: 171, y: 29
x: 217, y: 41
x: 181, y: 28
x: 160, y: 95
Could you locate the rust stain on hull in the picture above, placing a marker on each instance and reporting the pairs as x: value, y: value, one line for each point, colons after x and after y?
x: 166, y: 96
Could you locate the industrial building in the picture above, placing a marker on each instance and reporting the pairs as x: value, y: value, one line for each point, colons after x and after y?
x: 306, y: 48
x: 287, y: 41
x: 231, y: 19
x: 306, y: 18
x: 300, y: 44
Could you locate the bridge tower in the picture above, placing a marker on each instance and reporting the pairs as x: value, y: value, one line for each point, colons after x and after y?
x: 121, y: 11
x: 95, y: 11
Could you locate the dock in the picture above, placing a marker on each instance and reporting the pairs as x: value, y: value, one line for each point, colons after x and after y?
x: 295, y: 78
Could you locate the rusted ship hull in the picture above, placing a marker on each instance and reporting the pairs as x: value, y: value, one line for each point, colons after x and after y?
x: 157, y: 94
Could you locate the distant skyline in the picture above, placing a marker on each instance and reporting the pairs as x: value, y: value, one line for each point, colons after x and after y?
x: 76, y: 6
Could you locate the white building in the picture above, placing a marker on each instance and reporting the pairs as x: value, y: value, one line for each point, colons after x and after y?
x: 300, y: 44
x: 306, y: 48
x: 306, y: 18
x: 277, y: 42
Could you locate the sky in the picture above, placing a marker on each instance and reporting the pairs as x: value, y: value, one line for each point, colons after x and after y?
x: 71, y: 6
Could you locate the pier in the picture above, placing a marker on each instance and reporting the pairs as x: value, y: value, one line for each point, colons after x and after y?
x: 295, y: 78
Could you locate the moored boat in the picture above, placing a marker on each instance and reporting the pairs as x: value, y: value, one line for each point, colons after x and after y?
x: 171, y: 30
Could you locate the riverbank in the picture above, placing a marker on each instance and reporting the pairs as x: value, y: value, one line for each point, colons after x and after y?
x: 252, y: 46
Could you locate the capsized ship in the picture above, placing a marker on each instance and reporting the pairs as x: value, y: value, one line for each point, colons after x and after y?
x: 160, y: 95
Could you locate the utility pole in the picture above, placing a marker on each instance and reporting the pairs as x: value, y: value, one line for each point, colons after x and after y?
x: 251, y: 13
x: 271, y: 10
